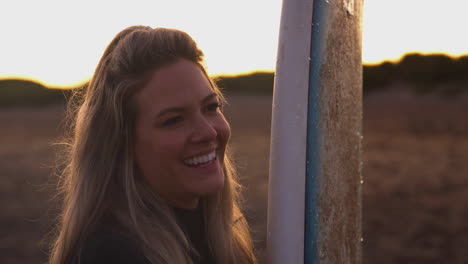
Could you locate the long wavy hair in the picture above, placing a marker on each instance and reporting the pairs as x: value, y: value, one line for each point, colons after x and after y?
x: 101, y: 181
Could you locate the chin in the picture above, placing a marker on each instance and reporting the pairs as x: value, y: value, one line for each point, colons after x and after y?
x: 214, y: 186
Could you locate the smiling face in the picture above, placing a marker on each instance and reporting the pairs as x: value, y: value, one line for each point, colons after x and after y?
x: 181, y: 135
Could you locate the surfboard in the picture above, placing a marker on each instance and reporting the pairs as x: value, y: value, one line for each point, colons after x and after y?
x: 314, y: 200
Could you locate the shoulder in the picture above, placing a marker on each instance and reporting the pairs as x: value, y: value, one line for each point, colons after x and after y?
x: 106, y: 246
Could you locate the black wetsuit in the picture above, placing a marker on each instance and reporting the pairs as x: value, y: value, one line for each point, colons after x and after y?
x: 109, y: 246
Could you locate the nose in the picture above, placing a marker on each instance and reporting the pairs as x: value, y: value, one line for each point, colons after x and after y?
x: 204, y: 130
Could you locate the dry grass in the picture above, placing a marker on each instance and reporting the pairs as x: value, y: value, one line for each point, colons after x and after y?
x: 415, y: 171
x: 416, y: 179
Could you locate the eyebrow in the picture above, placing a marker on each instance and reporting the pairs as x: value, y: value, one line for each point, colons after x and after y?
x: 181, y: 109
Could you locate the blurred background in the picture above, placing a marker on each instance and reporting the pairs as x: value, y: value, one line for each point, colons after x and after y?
x: 415, y: 146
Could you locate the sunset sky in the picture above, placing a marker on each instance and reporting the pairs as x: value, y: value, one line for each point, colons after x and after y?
x: 60, y: 42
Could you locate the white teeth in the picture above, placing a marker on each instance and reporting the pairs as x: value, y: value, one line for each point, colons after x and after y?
x: 201, y: 159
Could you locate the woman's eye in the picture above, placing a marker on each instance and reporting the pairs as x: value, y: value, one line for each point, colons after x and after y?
x: 213, y: 107
x: 172, y: 121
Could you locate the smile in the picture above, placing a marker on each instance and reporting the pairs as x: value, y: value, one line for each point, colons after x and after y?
x: 201, y: 160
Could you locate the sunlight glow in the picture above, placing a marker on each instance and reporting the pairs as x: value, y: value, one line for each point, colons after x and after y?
x: 60, y: 42
x: 393, y: 28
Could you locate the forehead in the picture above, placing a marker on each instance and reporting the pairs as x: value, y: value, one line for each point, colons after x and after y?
x: 176, y: 84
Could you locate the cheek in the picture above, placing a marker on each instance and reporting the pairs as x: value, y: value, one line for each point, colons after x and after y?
x: 159, y: 160
x: 154, y: 151
x: 167, y: 146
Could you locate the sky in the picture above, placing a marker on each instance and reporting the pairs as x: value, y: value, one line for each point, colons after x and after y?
x: 59, y: 42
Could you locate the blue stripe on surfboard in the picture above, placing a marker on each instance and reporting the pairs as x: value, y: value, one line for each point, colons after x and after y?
x: 317, y: 48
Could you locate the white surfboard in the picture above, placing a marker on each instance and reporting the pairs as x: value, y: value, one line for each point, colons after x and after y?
x: 314, y: 204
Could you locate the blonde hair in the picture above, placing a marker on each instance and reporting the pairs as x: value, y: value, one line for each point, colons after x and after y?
x: 101, y: 179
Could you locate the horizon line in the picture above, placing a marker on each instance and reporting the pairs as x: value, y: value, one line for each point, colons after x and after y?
x: 71, y: 85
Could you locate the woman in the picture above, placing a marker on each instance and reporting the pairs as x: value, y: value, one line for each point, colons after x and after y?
x: 149, y: 177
